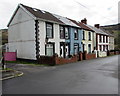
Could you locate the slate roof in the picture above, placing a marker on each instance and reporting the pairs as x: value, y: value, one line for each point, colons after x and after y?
x: 66, y: 21
x: 83, y: 26
x: 41, y: 14
x: 97, y: 30
x: 106, y: 31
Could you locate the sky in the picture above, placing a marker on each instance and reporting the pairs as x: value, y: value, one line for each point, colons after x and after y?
x: 103, y: 12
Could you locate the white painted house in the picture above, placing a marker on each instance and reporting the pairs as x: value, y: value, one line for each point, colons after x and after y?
x: 34, y: 33
x: 102, y: 40
x: 28, y: 27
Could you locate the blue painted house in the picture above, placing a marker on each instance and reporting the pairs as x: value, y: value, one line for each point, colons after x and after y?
x: 87, y: 36
x: 73, y: 37
x: 75, y: 40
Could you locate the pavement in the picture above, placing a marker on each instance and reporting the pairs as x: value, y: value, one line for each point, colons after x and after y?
x: 96, y: 76
x: 8, y: 74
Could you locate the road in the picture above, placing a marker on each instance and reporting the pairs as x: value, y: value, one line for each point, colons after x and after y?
x: 97, y: 76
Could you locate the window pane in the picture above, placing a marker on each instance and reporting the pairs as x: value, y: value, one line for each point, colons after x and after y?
x: 61, y: 32
x: 49, y: 49
x: 83, y: 35
x: 89, y: 48
x: 89, y: 35
x: 75, y: 34
x: 66, y: 33
x: 49, y: 31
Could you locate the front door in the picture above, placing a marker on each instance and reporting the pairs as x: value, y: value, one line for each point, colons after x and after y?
x: 61, y: 50
x: 64, y: 49
x: 76, y: 48
x: 67, y: 50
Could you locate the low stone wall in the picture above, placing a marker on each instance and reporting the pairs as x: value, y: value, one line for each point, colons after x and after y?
x: 109, y: 53
x: 116, y: 52
x: 47, y: 60
x: 53, y: 60
x: 88, y: 56
x: 60, y: 60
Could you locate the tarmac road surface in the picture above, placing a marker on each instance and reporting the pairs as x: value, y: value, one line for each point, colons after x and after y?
x: 97, y: 76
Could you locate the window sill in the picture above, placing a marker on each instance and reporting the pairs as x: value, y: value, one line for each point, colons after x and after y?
x: 75, y: 38
x: 49, y: 37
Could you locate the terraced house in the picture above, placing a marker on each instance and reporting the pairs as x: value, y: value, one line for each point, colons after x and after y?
x: 102, y: 40
x: 49, y: 38
x: 88, y: 35
x: 34, y: 33
x: 73, y: 37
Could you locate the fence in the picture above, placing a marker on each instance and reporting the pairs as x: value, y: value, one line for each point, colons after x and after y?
x: 102, y: 54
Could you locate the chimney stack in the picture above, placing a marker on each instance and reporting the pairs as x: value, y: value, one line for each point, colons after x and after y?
x: 84, y: 21
x: 97, y: 25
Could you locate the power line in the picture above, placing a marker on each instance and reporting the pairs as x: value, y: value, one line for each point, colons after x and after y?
x: 82, y: 5
x: 93, y: 11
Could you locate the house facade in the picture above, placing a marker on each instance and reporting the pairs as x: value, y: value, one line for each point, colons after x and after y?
x: 111, y: 42
x: 111, y: 39
x: 34, y: 33
x: 72, y: 34
x: 102, y: 41
x: 87, y: 36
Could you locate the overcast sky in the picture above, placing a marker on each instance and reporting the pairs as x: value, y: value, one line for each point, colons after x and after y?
x: 103, y: 12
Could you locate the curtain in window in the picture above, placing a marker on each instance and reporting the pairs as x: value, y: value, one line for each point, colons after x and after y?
x: 49, y: 49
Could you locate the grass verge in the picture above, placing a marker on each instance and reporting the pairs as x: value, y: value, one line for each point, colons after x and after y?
x: 26, y: 62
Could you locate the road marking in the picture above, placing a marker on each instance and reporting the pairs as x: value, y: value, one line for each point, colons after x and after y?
x: 13, y: 76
